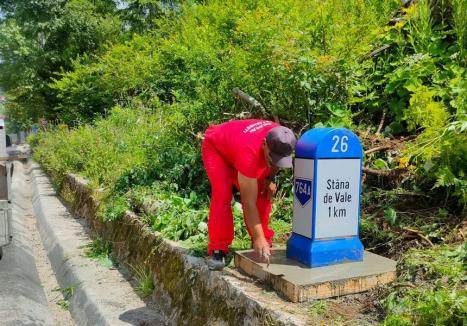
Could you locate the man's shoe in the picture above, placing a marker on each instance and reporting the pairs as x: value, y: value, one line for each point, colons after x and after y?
x: 216, y: 261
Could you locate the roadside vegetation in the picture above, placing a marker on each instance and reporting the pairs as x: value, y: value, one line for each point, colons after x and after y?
x: 129, y: 90
x: 100, y: 251
x: 145, y: 281
x: 430, y: 289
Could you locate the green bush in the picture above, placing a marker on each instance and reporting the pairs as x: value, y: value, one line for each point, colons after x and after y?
x: 100, y: 153
x: 294, y: 57
x: 420, y: 82
x: 304, y: 62
x: 442, y: 299
x: 39, y: 40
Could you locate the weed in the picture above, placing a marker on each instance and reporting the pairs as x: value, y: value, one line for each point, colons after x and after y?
x: 145, y: 280
x: 101, y: 251
x: 65, y: 304
x: 114, y: 208
x: 198, y: 244
x: 317, y: 308
x: 373, y: 236
x: 448, y: 262
x: 391, y: 216
x: 67, y: 294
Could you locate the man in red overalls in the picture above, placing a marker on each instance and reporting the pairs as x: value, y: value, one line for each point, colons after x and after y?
x: 247, y: 154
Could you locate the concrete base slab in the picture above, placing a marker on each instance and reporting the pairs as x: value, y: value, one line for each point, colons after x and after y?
x: 299, y: 283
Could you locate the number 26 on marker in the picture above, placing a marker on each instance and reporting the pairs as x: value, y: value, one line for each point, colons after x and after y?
x: 340, y: 144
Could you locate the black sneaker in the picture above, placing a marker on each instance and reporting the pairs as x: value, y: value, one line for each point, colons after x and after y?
x: 216, y: 261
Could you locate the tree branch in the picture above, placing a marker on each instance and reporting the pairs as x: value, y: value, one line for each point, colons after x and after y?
x: 377, y: 149
x: 251, y: 101
x: 419, y: 234
x: 382, y: 173
x: 381, y: 123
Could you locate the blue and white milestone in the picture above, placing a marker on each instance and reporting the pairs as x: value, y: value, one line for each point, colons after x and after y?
x: 327, y: 186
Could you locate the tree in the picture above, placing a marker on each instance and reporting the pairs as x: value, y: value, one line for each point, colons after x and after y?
x: 141, y: 15
x: 39, y: 39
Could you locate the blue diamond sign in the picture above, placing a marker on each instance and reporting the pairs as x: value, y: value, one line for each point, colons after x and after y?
x: 303, y: 190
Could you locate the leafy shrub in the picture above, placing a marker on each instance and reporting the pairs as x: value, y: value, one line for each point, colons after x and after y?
x: 440, y: 262
x: 177, y: 219
x: 306, y: 70
x: 442, y: 299
x: 100, y: 153
x: 297, y: 67
x: 113, y: 208
x: 420, y: 307
x: 420, y: 83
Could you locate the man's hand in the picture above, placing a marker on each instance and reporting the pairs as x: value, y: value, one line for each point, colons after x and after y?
x: 270, y: 188
x: 261, y: 247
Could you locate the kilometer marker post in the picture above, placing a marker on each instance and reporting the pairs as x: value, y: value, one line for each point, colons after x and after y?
x: 327, y: 187
x: 326, y: 213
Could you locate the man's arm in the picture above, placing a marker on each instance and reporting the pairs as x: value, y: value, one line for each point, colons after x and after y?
x: 249, y: 194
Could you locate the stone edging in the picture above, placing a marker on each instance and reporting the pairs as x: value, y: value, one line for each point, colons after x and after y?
x: 185, y: 288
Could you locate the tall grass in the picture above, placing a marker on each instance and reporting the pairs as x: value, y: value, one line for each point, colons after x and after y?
x: 100, y: 153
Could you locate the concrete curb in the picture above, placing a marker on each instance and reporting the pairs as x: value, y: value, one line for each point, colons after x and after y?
x: 22, y: 298
x: 100, y: 296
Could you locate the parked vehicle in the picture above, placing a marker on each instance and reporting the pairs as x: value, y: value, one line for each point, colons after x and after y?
x: 6, y: 172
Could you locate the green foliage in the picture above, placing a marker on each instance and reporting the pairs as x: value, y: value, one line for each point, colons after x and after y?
x: 183, y: 72
x: 141, y: 15
x: 114, y: 208
x: 439, y: 262
x: 65, y: 304
x: 178, y: 218
x: 419, y: 307
x: 442, y: 299
x: 93, y: 88
x: 372, y: 235
x: 67, y: 294
x: 318, y: 308
x: 214, y: 47
x: 100, y: 153
x: 182, y: 218
x: 41, y: 38
x: 420, y: 81
x: 100, y: 251
x: 187, y: 64
x: 177, y: 78
x: 391, y: 216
